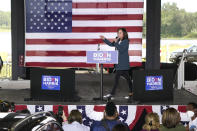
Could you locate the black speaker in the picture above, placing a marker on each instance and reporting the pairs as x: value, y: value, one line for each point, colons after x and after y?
x: 52, y: 84
x: 153, y: 85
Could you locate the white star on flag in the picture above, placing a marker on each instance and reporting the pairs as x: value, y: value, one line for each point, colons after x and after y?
x: 90, y: 123
x: 121, y: 119
x: 80, y: 110
x: 123, y: 112
x: 39, y: 108
x: 164, y: 107
x: 84, y: 119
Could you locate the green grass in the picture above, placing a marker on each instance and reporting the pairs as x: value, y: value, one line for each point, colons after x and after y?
x: 191, y: 35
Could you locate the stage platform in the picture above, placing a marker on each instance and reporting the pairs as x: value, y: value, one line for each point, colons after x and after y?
x: 87, y: 87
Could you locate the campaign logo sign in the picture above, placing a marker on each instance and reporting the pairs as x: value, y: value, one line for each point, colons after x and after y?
x: 103, y: 57
x: 50, y: 82
x: 154, y: 83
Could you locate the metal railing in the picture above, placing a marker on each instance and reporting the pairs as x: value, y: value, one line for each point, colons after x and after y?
x: 6, y: 71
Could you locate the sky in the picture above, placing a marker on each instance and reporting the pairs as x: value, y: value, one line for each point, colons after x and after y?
x: 188, y: 5
x: 5, y: 5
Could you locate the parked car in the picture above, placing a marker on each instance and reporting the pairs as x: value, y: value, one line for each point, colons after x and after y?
x: 43, y: 121
x: 191, y: 55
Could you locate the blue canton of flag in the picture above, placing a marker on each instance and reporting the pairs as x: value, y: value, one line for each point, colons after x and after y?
x: 163, y: 108
x: 39, y: 108
x: 48, y: 16
x: 86, y: 120
x: 123, y: 113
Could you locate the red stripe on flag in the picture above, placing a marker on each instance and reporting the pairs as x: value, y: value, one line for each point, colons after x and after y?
x: 72, y: 53
x: 72, y: 41
x: 108, y: 17
x: 133, y: 64
x: 135, y: 53
x: 138, y: 113
x: 109, y: 5
x: 99, y: 108
x: 104, y: 29
x: 55, y: 64
x: 20, y: 107
x: 55, y: 53
x: 182, y: 108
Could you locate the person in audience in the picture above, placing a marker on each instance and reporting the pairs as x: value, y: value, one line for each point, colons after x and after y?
x: 120, y: 127
x: 110, y: 119
x: 5, y: 106
x: 151, y: 122
x: 193, y: 121
x: 171, y: 121
x: 190, y: 106
x: 186, y: 116
x: 74, y: 122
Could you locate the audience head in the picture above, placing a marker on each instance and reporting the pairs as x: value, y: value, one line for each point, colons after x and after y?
x: 120, y: 127
x: 75, y: 115
x: 195, y: 110
x: 5, y: 106
x: 170, y: 118
x: 190, y: 106
x: 110, y: 111
x: 151, y: 122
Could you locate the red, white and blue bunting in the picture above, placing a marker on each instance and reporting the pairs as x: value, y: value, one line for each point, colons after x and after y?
x: 128, y: 114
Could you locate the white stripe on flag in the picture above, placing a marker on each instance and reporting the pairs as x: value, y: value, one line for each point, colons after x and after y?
x: 174, y: 106
x: 74, y: 59
x: 71, y: 107
x: 131, y: 114
x: 107, y: 11
x: 98, y: 1
x: 106, y: 23
x: 78, y: 35
x: 93, y: 114
x: 85, y: 47
x: 31, y: 108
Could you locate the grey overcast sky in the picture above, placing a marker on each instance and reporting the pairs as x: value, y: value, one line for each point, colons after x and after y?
x: 188, y: 5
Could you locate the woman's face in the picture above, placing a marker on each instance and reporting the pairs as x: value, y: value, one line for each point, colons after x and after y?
x: 120, y: 34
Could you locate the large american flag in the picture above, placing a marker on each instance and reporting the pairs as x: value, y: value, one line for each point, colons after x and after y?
x: 91, y: 113
x: 59, y: 32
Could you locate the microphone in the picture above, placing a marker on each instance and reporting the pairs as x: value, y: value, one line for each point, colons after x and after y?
x: 117, y: 38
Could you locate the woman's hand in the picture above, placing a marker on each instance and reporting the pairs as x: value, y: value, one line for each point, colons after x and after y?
x: 102, y: 37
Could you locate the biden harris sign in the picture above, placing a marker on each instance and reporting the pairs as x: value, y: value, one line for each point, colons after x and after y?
x: 102, y: 57
x: 154, y: 83
x: 50, y: 82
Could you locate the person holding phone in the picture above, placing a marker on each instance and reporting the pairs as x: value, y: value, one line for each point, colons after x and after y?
x: 121, y: 43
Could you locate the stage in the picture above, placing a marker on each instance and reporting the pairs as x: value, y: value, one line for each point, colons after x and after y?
x: 87, y: 87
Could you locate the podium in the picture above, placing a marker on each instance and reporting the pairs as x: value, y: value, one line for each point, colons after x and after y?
x: 101, y: 57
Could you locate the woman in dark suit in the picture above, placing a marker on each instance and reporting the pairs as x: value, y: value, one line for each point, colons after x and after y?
x: 121, y: 43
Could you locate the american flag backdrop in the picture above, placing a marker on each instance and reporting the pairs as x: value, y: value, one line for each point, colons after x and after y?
x: 129, y: 114
x: 59, y: 32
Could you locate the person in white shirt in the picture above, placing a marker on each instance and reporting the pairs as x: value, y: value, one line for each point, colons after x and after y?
x: 193, y: 121
x: 74, y: 122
